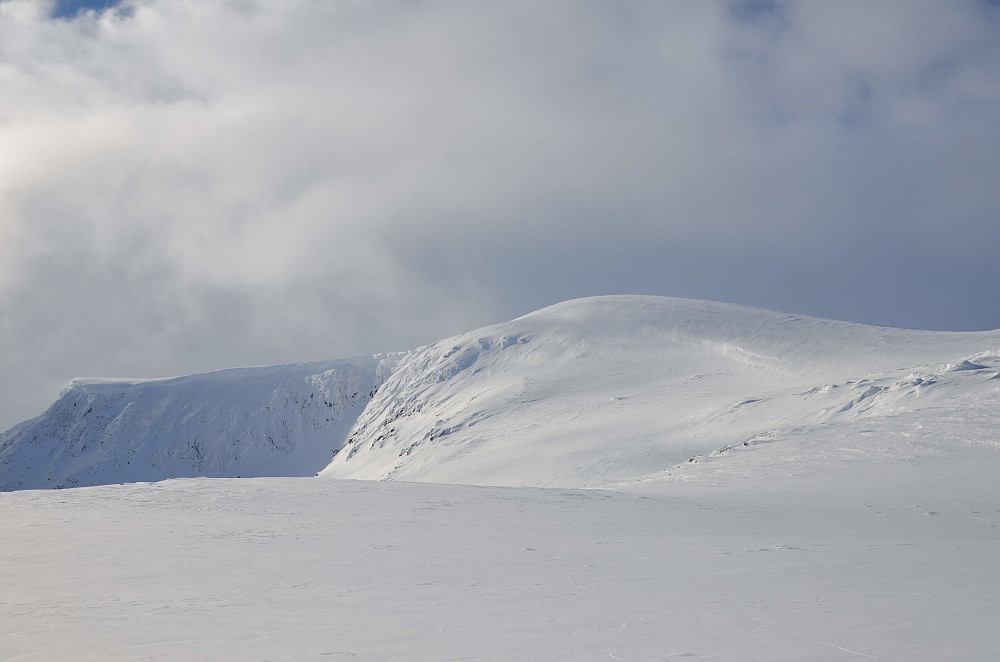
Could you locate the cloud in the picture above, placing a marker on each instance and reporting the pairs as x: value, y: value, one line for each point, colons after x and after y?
x: 190, y: 185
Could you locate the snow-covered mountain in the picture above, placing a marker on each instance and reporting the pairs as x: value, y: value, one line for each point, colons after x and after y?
x: 590, y: 392
x: 777, y: 487
x: 284, y: 420
x: 610, y: 389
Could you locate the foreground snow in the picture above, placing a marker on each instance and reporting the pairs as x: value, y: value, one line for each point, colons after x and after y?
x: 890, y: 560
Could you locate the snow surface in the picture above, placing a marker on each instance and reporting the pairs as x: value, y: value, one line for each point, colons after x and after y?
x: 861, y: 560
x: 771, y: 487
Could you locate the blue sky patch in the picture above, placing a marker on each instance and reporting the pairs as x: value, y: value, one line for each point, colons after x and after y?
x: 70, y: 8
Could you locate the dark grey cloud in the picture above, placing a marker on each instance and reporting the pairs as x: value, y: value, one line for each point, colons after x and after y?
x: 193, y: 185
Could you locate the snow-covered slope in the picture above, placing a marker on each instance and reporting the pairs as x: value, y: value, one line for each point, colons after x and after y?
x: 588, y: 393
x: 282, y: 420
x: 598, y: 391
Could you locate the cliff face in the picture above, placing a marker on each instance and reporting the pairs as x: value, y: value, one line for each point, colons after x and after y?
x: 286, y: 420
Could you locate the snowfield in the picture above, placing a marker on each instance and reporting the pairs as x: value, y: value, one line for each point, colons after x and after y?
x: 630, y: 478
x: 856, y: 560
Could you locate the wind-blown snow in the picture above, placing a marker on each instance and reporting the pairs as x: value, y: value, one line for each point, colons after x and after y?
x: 274, y: 421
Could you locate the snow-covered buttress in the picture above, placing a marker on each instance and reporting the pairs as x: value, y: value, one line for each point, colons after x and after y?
x: 284, y: 420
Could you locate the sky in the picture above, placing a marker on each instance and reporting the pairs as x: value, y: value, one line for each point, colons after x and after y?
x: 188, y: 185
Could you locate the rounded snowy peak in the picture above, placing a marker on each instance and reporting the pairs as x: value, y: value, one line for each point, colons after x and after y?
x: 607, y: 388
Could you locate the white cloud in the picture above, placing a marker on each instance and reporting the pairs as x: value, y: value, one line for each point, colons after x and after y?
x: 191, y: 184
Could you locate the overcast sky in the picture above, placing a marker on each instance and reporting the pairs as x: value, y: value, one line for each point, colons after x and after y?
x: 189, y: 185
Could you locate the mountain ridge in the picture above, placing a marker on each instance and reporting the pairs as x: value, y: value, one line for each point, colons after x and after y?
x: 264, y: 421
x: 585, y: 393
